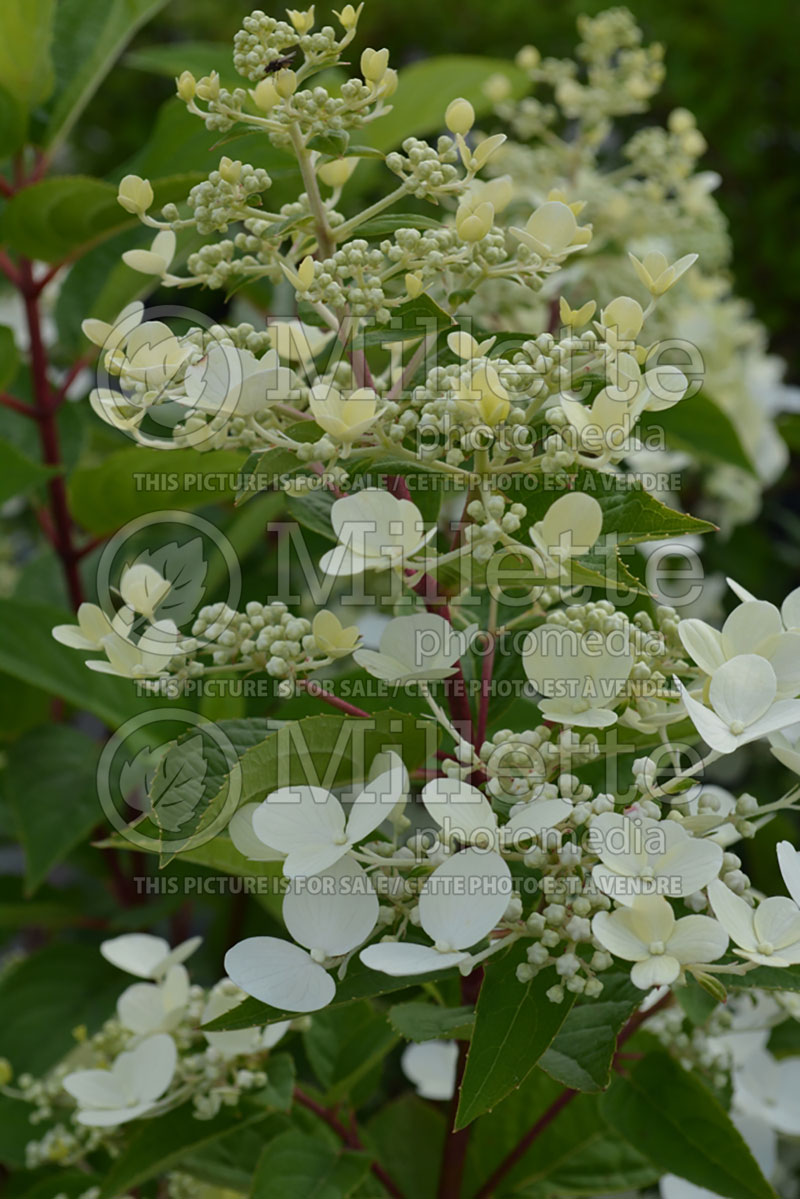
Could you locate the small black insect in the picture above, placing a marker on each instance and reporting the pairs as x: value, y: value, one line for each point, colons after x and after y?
x: 278, y: 64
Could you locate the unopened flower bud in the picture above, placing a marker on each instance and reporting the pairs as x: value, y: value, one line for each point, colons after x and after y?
x: 459, y: 116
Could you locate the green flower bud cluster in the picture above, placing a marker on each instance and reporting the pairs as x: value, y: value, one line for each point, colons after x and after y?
x: 352, y: 278
x: 426, y: 171
x: 223, y: 197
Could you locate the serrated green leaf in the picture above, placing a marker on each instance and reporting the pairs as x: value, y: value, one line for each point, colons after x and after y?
x: 671, y: 1117
x: 345, y: 1043
x: 89, y: 36
x: 430, y: 1022
x: 514, y: 1024
x: 398, y: 1126
x: 702, y: 428
x: 51, y: 784
x: 582, y: 1050
x: 296, y: 1165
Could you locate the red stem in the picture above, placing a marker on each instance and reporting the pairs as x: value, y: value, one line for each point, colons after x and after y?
x: 350, y: 1138
x: 454, y: 1155
x: 313, y: 688
x: 507, y: 1164
x: 489, y: 1188
x: 19, y: 406
x: 47, y: 408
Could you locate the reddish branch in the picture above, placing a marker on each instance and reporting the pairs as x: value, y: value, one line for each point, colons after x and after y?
x: 318, y: 692
x: 454, y: 1154
x: 564, y: 1099
x: 349, y: 1137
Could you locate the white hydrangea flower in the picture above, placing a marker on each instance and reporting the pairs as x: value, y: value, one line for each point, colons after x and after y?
x: 146, y: 1008
x: 333, y: 638
x: 648, y: 934
x: 157, y: 259
x: 423, y: 646
x: 330, y: 919
x: 143, y: 588
x: 768, y: 934
x: 233, y: 382
x: 464, y: 813
x: 376, y: 531
x: 789, y: 610
x: 552, y: 231
x: 459, y: 905
x: 755, y: 627
x: 110, y: 335
x: 243, y: 836
x: 147, y: 956
x: 744, y: 704
x: 344, y: 419
x: 431, y: 1067
x: 238, y: 1042
x: 92, y: 629
x: 569, y: 528
x: 580, y: 676
x: 641, y: 856
x: 308, y: 824
x: 131, y: 1088
x: 769, y: 1090
x: 656, y: 272
x: 147, y: 658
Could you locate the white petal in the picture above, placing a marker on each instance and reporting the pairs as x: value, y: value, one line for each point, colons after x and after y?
x: 146, y: 1071
x: 243, y: 836
x: 741, y: 592
x: 789, y: 862
x: 614, y: 930
x: 750, y: 624
x: 743, y: 689
x: 458, y: 808
x: 702, y: 643
x: 689, y: 865
x: 236, y: 1041
x: 140, y: 1008
x: 100, y: 1118
x: 657, y: 971
x: 279, y: 973
x: 431, y: 1066
x: 539, y: 816
x: 777, y: 920
x: 377, y: 801
x: 136, y: 953
x: 334, y: 911
x: 304, y: 822
x: 95, y: 1088
x: 733, y: 913
x: 711, y: 728
x: 697, y: 939
x: 790, y: 609
x: 464, y: 898
x: 401, y: 958
x: 179, y: 954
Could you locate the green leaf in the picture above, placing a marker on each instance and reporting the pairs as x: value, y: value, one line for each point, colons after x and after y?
x: 345, y: 1043
x: 576, y: 1153
x: 201, y: 58
x: 45, y: 996
x: 359, y: 983
x: 51, y: 786
x: 670, y: 1116
x: 296, y: 1165
x: 514, y: 1024
x: 28, y: 652
x: 426, y: 88
x: 89, y: 36
x: 12, y: 125
x: 19, y: 474
x: 9, y: 356
x: 160, y: 1144
x: 700, y: 426
x: 266, y: 469
x: 408, y: 1136
x: 59, y: 217
x: 430, y: 1022
x: 120, y: 488
x: 414, y: 318
x: 768, y: 978
x: 334, y: 144
x: 319, y: 750
x: 26, y: 34
x: 583, y: 1048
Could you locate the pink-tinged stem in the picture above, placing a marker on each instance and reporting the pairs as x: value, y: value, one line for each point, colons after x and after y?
x: 313, y: 688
